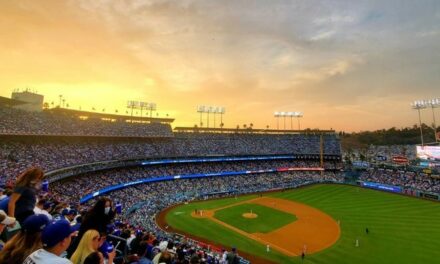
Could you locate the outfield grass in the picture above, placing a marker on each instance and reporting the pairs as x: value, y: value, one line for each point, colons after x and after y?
x: 268, y: 219
x: 402, y: 229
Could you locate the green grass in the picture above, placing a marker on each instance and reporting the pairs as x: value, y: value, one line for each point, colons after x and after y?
x: 402, y: 229
x: 267, y: 221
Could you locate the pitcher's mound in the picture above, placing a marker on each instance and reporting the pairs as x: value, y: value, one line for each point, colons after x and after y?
x: 250, y: 215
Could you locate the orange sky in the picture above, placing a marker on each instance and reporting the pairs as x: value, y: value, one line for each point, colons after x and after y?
x: 348, y: 66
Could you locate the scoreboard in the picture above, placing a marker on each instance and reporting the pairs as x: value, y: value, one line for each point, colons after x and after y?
x: 431, y: 153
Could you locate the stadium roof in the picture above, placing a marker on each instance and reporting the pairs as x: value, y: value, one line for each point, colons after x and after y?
x: 109, y: 116
x: 8, y: 102
x: 250, y: 131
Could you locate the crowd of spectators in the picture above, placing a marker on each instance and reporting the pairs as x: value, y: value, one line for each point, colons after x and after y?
x: 381, y: 153
x: 42, y: 223
x: 56, y: 153
x: 93, y: 222
x: 20, y: 122
x: 405, y: 179
x: 157, y: 196
x: 102, y: 179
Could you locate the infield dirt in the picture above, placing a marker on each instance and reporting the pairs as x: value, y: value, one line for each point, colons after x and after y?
x: 313, y: 230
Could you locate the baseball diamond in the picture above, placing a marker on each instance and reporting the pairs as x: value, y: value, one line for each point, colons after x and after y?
x: 329, y: 227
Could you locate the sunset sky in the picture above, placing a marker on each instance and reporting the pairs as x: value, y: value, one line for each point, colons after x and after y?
x: 348, y: 65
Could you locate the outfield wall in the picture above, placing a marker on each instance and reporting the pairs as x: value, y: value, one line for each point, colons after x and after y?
x: 400, y: 190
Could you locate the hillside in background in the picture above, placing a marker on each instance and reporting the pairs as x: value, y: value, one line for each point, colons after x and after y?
x: 392, y: 136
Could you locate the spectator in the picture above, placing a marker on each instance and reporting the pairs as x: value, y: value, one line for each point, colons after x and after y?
x: 195, y: 260
x: 162, y: 249
x: 5, y: 220
x: 23, y: 199
x: 97, y: 218
x: 88, y: 244
x: 94, y: 258
x: 56, y: 239
x: 26, y: 241
x: 2, y: 194
x: 166, y: 258
x: 142, y: 253
x: 41, y: 207
x: 232, y: 257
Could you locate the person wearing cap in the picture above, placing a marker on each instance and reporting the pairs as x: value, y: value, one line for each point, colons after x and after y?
x: 56, y: 238
x: 26, y: 241
x: 68, y: 215
x: 232, y: 257
x: 24, y: 197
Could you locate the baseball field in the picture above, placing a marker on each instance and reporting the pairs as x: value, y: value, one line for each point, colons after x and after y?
x: 328, y: 222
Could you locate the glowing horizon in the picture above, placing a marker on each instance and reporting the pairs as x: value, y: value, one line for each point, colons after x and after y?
x: 346, y: 65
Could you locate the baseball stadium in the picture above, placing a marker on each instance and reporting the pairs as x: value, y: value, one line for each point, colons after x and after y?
x: 262, y: 196
x: 219, y: 132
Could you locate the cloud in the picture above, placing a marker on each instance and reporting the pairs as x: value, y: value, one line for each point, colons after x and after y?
x: 269, y: 54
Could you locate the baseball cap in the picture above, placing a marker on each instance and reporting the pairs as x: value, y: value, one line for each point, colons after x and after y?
x: 5, y: 219
x: 47, y: 205
x: 35, y: 223
x: 55, y: 233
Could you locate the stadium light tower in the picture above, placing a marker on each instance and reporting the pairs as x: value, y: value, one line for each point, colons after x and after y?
x: 419, y: 105
x: 285, y: 115
x: 291, y: 115
x: 222, y: 112
x: 151, y: 107
x: 201, y: 110
x: 277, y: 115
x: 211, y: 109
x: 298, y: 115
x: 288, y: 114
x: 434, y: 103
